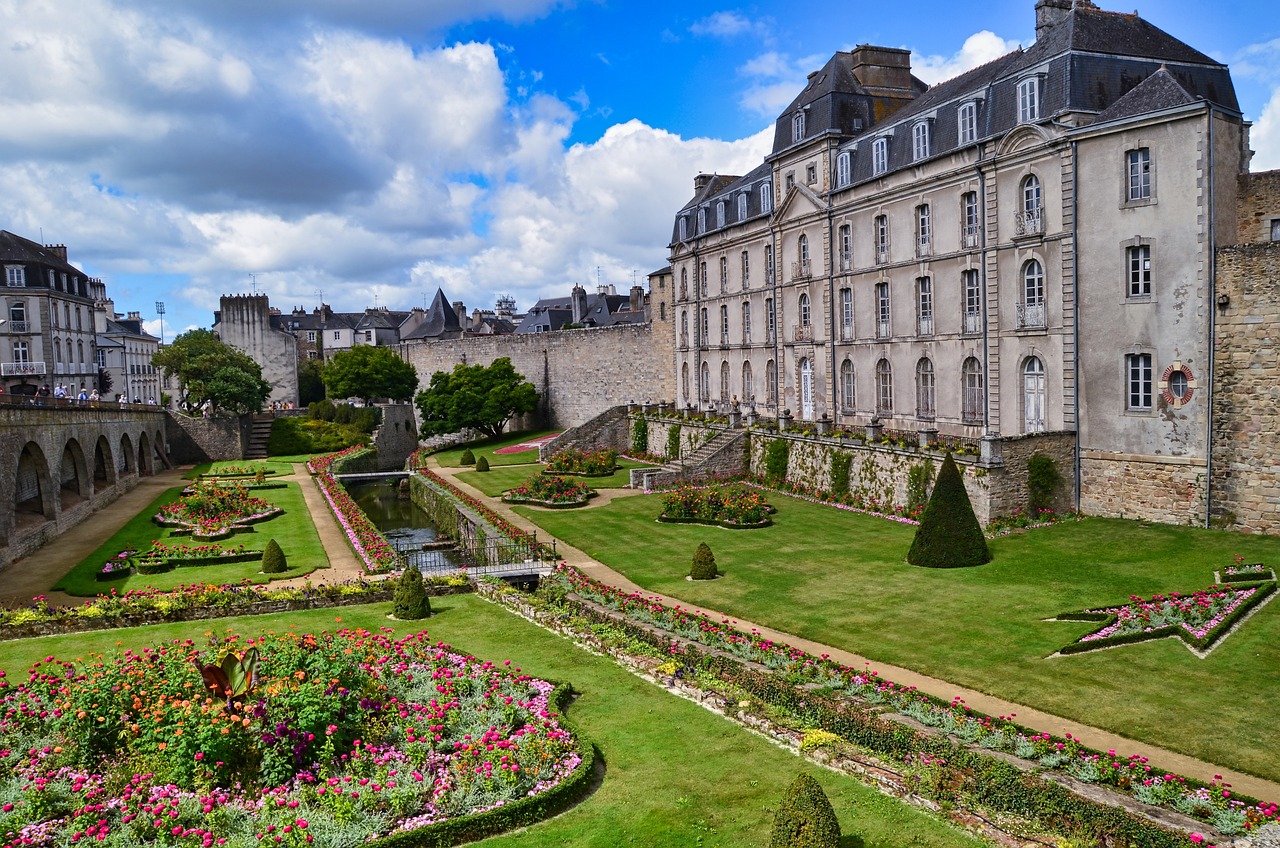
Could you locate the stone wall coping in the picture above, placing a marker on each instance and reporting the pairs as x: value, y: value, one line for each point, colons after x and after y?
x: 1108, y: 456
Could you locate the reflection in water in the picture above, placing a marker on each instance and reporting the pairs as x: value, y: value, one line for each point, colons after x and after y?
x: 399, y: 519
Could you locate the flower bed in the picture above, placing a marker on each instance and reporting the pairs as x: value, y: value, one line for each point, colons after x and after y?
x: 844, y: 700
x: 121, y: 565
x: 735, y: 507
x: 161, y: 557
x: 1242, y: 572
x: 238, y: 471
x: 1199, y: 619
x: 550, y: 491
x: 377, y: 554
x: 338, y: 738
x: 213, y: 511
x: 582, y: 464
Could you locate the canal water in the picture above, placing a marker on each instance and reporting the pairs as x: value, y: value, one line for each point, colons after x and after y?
x: 399, y: 519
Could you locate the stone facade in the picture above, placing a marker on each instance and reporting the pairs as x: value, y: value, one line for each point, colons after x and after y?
x: 396, y: 437
x: 578, y: 373
x: 196, y: 440
x: 244, y: 322
x: 1259, y: 208
x: 1165, y: 489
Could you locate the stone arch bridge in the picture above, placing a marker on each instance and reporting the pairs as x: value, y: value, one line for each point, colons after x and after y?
x: 60, y: 462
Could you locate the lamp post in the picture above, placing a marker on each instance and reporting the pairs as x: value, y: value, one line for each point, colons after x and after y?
x: 160, y: 312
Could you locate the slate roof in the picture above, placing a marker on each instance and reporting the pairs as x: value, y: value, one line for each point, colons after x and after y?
x: 603, y: 310
x: 441, y: 319
x: 15, y: 248
x: 1158, y: 91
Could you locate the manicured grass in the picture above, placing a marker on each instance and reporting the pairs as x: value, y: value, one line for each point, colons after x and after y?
x: 676, y: 774
x: 486, y: 448
x: 274, y: 468
x: 841, y: 579
x: 293, y: 531
x: 292, y: 458
x: 497, y: 480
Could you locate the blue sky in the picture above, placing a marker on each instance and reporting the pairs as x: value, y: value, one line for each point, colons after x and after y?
x: 375, y: 152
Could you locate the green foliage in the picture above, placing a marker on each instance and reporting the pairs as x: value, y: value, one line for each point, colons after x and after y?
x: 322, y: 410
x: 776, y: 457
x: 1043, y: 481
x: 919, y: 476
x: 949, y: 535
x: 475, y: 396
x: 310, y: 382
x: 673, y: 441
x: 273, y: 559
x: 467, y: 458
x: 805, y: 818
x: 363, y: 418
x: 293, y: 436
x: 210, y: 370
x: 411, y: 602
x: 368, y: 372
x: 640, y: 436
x: 482, y: 464
x: 704, y: 563
x: 840, y: 463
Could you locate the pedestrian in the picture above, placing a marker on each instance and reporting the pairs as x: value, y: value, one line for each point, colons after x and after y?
x: 83, y: 396
x: 94, y: 397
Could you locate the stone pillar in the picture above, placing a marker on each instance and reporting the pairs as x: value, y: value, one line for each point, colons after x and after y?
x: 990, y: 451
x: 784, y: 419
x: 750, y: 417
x: 874, y: 428
x: 927, y: 436
x: 824, y: 425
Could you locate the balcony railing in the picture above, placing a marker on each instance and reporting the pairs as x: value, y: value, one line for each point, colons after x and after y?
x: 846, y: 261
x: 22, y: 369
x: 801, y: 270
x: 846, y: 332
x: 973, y: 322
x: 802, y: 333
x: 882, y: 254
x: 924, y: 246
x: 969, y: 236
x: 15, y: 327
x: 1031, y: 316
x: 882, y: 330
x: 924, y: 325
x: 1029, y: 222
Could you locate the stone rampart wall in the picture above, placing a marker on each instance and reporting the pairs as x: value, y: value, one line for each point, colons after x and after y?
x: 396, y: 437
x: 1169, y: 490
x: 1259, y: 205
x: 196, y: 440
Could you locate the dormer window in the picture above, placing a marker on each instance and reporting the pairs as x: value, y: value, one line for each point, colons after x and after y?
x: 702, y: 220
x: 1029, y: 100
x: 16, y: 275
x: 844, y: 169
x: 742, y: 206
x: 879, y: 156
x: 797, y: 127
x: 967, y: 120
x: 720, y: 214
x: 766, y: 197
x: 920, y: 141
x: 684, y: 227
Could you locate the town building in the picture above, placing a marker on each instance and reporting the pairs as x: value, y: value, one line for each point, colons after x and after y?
x: 1025, y: 249
x: 124, y: 354
x: 604, y: 308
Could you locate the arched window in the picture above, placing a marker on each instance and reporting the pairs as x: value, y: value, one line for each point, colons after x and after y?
x: 768, y: 264
x: 746, y: 270
x: 80, y: 353
x: 804, y: 310
x: 1030, y: 220
x: 884, y: 388
x: 748, y: 384
x: 1033, y: 395
x: 684, y: 382
x: 771, y: 382
x: 803, y: 245
x: 720, y: 214
x: 684, y: 328
x: 797, y: 127
x: 724, y: 381
x: 57, y: 351
x: 704, y: 328
x: 746, y: 322
x: 704, y: 390
x: 684, y: 227
x: 1031, y: 310
x: 925, y: 394
x: 684, y: 283
x: 702, y: 278
x: 1032, y: 199
x: 972, y: 400
x: 766, y: 197
x: 846, y: 386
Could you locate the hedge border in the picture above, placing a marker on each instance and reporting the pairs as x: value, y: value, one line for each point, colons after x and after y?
x: 712, y: 522
x: 548, y: 473
x: 1254, y: 577
x: 551, y: 504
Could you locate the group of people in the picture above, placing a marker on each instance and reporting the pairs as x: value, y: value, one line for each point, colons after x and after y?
x: 67, y: 393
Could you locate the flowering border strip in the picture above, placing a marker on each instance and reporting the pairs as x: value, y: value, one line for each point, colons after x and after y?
x: 1200, y: 642
x: 797, y: 681
x: 373, y: 549
x: 574, y: 504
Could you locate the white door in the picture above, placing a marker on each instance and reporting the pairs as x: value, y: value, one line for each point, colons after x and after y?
x: 806, y: 389
x: 1033, y: 395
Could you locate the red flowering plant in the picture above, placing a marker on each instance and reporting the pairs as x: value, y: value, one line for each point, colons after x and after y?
x: 211, y: 510
x: 337, y: 737
x: 731, y: 505
x: 572, y: 461
x: 550, y: 490
x: 366, y: 540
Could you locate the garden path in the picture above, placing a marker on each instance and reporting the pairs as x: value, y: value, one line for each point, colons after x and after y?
x: 1044, y: 722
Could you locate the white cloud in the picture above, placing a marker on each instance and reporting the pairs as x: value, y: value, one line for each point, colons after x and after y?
x: 1264, y: 138
x: 978, y: 49
x: 722, y: 25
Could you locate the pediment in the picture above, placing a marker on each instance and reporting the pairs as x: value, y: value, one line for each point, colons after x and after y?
x: 799, y: 202
x: 1022, y: 137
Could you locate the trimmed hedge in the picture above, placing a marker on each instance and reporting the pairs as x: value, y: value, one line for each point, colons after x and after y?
x: 805, y: 818
x: 273, y: 560
x: 949, y: 535
x: 411, y: 602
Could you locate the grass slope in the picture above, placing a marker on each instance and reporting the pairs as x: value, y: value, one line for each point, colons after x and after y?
x: 676, y: 775
x: 841, y: 578
x: 486, y: 448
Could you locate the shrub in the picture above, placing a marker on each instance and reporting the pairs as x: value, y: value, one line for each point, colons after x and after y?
x: 273, y: 561
x: 640, y: 436
x: 290, y: 436
x: 805, y: 818
x: 467, y: 458
x: 260, y: 474
x: 673, y: 441
x: 840, y: 463
x: 704, y: 563
x: 322, y: 410
x: 776, y: 457
x: 949, y: 535
x: 411, y: 602
x: 919, y: 476
x: 482, y: 464
x: 1043, y: 480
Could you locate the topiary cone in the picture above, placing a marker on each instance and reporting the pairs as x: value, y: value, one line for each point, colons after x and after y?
x: 482, y: 464
x: 273, y: 561
x: 949, y: 535
x: 704, y: 563
x: 411, y: 602
x: 805, y: 818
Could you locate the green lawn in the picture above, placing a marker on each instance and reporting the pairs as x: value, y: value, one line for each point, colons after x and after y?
x: 676, y: 775
x: 274, y: 467
x: 841, y: 578
x: 486, y: 447
x: 497, y: 480
x: 293, y: 531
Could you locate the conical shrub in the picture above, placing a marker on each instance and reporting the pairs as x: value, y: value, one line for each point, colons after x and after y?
x: 704, y: 563
x: 467, y: 458
x: 273, y: 561
x: 482, y: 464
x: 411, y: 602
x: 805, y: 818
x: 949, y: 535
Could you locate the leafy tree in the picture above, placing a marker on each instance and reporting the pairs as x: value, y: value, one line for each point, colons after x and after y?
x: 208, y: 369
x: 104, y: 382
x: 481, y: 397
x: 805, y: 818
x: 310, y: 382
x: 368, y: 372
x: 949, y: 535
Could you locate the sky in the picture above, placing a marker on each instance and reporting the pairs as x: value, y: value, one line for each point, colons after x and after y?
x: 367, y: 153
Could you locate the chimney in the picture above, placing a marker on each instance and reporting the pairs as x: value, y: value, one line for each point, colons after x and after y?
x: 135, y: 316
x: 59, y: 250
x: 882, y: 67
x: 1050, y: 13
x: 460, y: 309
x: 637, y: 298
x: 579, y: 301
x: 701, y: 181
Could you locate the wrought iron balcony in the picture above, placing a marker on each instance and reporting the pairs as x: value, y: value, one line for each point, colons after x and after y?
x: 846, y: 260
x: 802, y: 333
x: 924, y: 325
x: 1029, y: 222
x: 973, y: 322
x: 924, y: 245
x: 969, y: 236
x: 1031, y: 316
x: 15, y: 327
x: 22, y: 369
x: 801, y: 270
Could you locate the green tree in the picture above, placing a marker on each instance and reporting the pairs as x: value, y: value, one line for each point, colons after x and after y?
x: 368, y: 372
x: 210, y: 370
x: 805, y: 818
x: 310, y: 382
x: 481, y: 397
x: 949, y: 535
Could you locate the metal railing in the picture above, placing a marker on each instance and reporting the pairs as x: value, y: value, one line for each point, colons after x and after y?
x: 802, y: 333
x: 973, y: 322
x: 22, y: 369
x: 1030, y: 316
x: 969, y: 236
x: 801, y: 270
x: 1029, y: 222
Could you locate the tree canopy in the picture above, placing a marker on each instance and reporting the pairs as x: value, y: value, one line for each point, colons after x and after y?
x: 209, y: 369
x: 481, y: 397
x: 368, y: 372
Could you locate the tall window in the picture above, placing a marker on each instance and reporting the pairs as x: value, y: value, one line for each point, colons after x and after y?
x: 1029, y: 100
x: 16, y: 276
x: 884, y: 388
x: 57, y: 351
x: 804, y: 310
x: 797, y: 127
x: 1031, y: 310
x: 684, y: 328
x: 702, y: 278
x: 18, y: 314
x: 846, y: 386
x: 702, y: 220
x: 748, y: 384
x: 883, y: 328
x: 844, y: 171
x: 920, y: 141
x: 768, y: 264
x: 1138, y: 368
x: 969, y: 219
x: 846, y: 314
x: 1031, y: 219
x: 971, y: 401
x: 924, y: 306
x: 969, y: 281
x: 21, y: 353
x: 1139, y: 270
x: 881, y: 231
x: 846, y: 247
x: 746, y: 270
x: 746, y: 322
x: 879, y: 156
x: 925, y: 390
x: 1139, y: 174
x: 703, y: 328
x: 924, y: 230
x: 771, y: 327
x: 684, y: 283
x: 1033, y: 395
x: 720, y: 214
x: 704, y: 390
x: 802, y: 247
x: 724, y: 382
x: 967, y: 119
x: 742, y: 206
x: 684, y: 227
x: 724, y: 325
x: 771, y: 382
x: 766, y: 198
x: 724, y: 274
x: 684, y: 382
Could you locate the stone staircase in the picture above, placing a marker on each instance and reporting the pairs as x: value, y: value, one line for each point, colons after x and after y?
x: 259, y: 434
x: 723, y: 455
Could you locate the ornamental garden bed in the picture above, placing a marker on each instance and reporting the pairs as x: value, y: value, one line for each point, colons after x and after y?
x: 552, y: 492
x: 1243, y: 572
x: 736, y: 507
x: 341, y: 738
x: 213, y: 511
x: 572, y: 461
